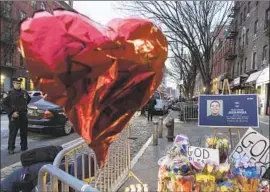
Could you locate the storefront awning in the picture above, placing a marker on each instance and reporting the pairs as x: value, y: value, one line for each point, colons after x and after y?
x: 264, y: 77
x: 253, y: 77
x: 236, y: 81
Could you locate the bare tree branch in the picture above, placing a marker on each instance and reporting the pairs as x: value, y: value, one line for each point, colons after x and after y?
x: 193, y: 24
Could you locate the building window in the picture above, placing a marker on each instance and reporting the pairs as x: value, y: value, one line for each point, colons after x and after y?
x: 248, y: 9
x: 247, y: 36
x: 233, y: 71
x: 42, y: 6
x: 239, y: 42
x: 22, y: 15
x: 33, y: 4
x: 264, y: 56
x: 7, y: 33
x: 267, y: 18
x: 241, y: 67
x: 8, y: 58
x: 245, y: 13
x: 254, y: 59
x: 255, y: 26
x: 243, y: 40
x: 7, y: 9
x: 257, y: 3
x: 21, y: 61
x: 245, y: 65
x: 241, y: 18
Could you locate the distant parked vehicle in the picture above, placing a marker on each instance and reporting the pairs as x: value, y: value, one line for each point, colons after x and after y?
x: 162, y: 104
x: 35, y: 93
x: 46, y: 116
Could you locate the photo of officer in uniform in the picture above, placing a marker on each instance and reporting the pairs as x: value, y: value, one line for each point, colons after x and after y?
x: 215, y: 112
x: 15, y: 105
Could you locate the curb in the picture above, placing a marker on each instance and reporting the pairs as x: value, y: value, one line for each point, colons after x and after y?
x: 147, y: 143
x: 141, y: 151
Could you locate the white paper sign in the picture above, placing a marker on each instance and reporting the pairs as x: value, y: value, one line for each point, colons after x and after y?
x: 203, y: 155
x: 255, y: 147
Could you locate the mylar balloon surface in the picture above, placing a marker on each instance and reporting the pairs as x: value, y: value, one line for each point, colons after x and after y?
x: 100, y: 75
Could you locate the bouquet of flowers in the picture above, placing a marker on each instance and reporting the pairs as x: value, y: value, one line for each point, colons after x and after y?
x: 206, y: 181
x: 229, y: 185
x: 211, y: 142
x: 182, y: 174
x: 247, y: 178
x: 222, y: 144
x: 176, y: 172
x: 179, y: 147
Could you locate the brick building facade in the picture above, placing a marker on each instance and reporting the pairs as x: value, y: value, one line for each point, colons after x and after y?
x: 248, y: 53
x: 12, y: 12
x: 222, y: 60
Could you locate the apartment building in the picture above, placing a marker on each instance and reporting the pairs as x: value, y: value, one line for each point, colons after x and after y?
x: 12, y: 12
x: 222, y: 59
x: 249, y: 31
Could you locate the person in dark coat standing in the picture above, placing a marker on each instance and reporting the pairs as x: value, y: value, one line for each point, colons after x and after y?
x: 15, y: 105
x: 151, y: 108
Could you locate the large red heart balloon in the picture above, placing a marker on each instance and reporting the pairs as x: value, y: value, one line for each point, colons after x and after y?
x: 100, y: 74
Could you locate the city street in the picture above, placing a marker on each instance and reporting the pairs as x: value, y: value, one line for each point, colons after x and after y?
x: 39, y: 140
x: 34, y: 140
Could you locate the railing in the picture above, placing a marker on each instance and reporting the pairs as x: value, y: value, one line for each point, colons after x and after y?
x: 85, y: 168
x: 188, y: 110
x: 57, y: 175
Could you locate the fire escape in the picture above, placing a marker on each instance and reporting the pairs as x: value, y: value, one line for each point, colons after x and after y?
x: 8, y: 37
x: 231, y: 35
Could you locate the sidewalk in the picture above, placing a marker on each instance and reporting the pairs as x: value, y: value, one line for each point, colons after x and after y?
x: 141, y: 130
x: 264, y: 119
x: 146, y: 169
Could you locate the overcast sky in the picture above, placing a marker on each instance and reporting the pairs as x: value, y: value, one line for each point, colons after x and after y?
x: 102, y: 12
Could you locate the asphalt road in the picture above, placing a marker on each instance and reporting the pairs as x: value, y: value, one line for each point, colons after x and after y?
x: 34, y: 140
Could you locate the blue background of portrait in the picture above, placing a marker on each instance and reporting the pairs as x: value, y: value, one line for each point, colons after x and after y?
x: 248, y: 103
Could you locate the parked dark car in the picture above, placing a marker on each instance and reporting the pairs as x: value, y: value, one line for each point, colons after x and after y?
x: 45, y: 116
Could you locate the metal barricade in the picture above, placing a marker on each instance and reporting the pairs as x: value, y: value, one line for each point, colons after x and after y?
x: 111, y: 176
x: 57, y: 175
x: 188, y: 110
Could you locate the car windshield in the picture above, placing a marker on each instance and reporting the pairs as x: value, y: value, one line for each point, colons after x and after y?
x: 35, y: 99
